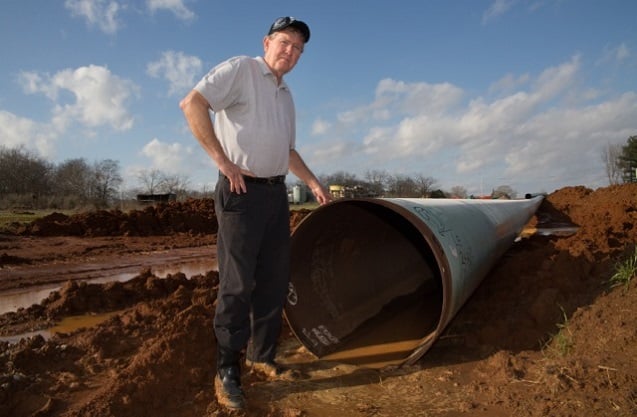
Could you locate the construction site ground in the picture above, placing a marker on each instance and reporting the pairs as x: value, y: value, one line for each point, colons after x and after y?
x: 545, y: 334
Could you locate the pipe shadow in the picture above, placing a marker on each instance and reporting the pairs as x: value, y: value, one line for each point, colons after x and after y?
x: 547, y: 215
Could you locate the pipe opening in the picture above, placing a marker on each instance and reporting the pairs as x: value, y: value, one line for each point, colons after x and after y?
x: 365, y: 285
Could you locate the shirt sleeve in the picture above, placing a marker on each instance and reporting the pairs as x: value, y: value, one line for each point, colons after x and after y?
x: 219, y: 86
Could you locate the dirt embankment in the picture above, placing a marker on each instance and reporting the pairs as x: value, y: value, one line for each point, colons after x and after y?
x: 545, y: 334
x: 191, y: 216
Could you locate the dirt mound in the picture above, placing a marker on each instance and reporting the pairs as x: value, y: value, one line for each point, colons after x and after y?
x: 545, y: 334
x: 194, y: 216
x: 159, y: 348
x: 191, y: 216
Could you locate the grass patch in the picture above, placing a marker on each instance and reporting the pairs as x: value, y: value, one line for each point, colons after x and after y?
x: 303, y: 206
x: 9, y: 217
x: 625, y: 271
x: 560, y: 343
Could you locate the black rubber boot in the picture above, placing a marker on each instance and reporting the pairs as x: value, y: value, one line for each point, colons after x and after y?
x: 228, y: 388
x: 228, y: 380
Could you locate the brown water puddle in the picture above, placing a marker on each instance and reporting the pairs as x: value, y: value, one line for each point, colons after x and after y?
x: 23, y: 298
x: 67, y: 325
x: 72, y: 323
x: 12, y: 300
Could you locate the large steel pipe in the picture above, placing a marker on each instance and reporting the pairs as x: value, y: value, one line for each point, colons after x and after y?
x: 376, y: 281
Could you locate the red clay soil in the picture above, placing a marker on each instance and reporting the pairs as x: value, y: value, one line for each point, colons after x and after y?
x: 545, y: 334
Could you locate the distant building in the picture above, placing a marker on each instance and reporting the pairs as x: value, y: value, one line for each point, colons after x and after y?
x: 297, y: 194
x: 156, y: 198
x: 355, y: 191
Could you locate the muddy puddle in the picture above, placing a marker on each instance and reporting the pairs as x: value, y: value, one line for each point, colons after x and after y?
x: 12, y: 300
x: 67, y: 325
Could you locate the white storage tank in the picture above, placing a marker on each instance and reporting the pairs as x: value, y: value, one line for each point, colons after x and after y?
x: 298, y: 194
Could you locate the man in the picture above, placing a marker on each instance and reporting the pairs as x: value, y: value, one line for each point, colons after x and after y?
x: 252, y: 142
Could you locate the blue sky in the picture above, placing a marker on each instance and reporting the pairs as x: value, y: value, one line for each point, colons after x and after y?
x: 474, y: 93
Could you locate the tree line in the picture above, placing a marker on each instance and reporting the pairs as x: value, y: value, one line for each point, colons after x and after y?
x: 380, y: 183
x: 29, y: 181
x: 621, y: 161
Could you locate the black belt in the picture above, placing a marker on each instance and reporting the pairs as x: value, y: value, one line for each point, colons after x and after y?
x: 277, y: 179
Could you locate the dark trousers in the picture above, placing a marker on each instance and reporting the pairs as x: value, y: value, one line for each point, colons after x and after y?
x: 253, y: 250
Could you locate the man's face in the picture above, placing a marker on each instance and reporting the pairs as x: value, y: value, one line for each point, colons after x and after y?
x: 282, y: 51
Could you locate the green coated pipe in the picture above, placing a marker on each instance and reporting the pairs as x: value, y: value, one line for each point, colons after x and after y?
x: 376, y: 281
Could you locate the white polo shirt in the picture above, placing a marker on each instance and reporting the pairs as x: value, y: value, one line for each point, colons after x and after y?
x: 254, y: 117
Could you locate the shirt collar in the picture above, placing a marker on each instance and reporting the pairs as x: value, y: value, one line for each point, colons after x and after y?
x: 265, y: 70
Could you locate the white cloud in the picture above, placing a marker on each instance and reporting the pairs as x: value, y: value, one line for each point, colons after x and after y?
x: 166, y: 157
x: 340, y: 152
x: 105, y: 14
x: 555, y: 80
x: 615, y: 54
x: 320, y: 127
x: 416, y: 98
x: 418, y: 109
x: 508, y: 83
x: 397, y: 98
x: 623, y: 52
x: 100, y: 13
x: 32, y: 82
x: 98, y: 96
x: 500, y: 7
x: 497, y: 8
x: 16, y: 131
x: 559, y: 138
x: 177, y: 7
x: 179, y: 69
x: 547, y: 128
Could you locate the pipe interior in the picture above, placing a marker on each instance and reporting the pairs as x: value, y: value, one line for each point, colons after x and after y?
x: 365, y: 274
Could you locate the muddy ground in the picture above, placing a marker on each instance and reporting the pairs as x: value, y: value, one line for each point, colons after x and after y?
x: 545, y: 334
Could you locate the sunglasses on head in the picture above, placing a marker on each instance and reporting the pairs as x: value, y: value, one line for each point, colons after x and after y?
x: 287, y: 21
x: 282, y: 22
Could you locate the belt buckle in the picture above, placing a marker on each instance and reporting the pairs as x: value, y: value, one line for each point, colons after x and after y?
x: 271, y: 180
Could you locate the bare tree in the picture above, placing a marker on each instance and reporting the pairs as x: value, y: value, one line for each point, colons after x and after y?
x: 611, y: 157
x: 377, y: 181
x: 72, y: 178
x: 105, y: 182
x: 402, y: 186
x: 151, y: 180
x: 504, y: 191
x: 423, y: 185
x: 341, y: 178
x: 175, y: 184
x: 23, y: 174
x: 459, y: 191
